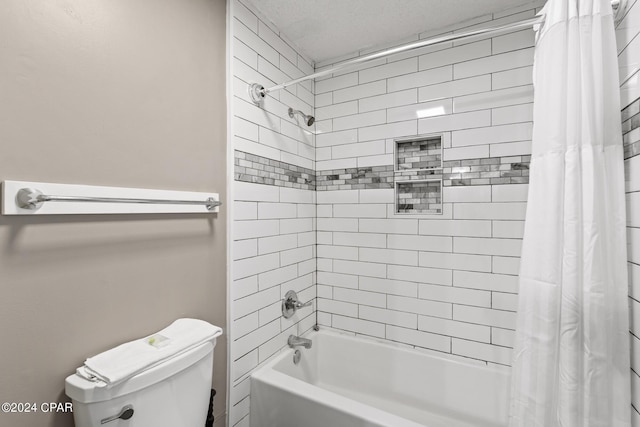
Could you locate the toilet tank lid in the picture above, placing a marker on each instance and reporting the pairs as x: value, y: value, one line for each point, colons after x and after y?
x: 82, y: 390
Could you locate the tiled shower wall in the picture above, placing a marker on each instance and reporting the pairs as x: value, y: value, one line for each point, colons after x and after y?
x: 628, y: 41
x: 446, y: 283
x: 273, y: 232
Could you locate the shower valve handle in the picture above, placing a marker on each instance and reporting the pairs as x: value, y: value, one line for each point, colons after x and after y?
x: 290, y: 304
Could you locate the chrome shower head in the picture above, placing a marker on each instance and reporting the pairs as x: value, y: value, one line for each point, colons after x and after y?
x: 309, y: 120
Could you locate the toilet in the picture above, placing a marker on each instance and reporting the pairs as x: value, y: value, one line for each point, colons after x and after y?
x: 173, y: 393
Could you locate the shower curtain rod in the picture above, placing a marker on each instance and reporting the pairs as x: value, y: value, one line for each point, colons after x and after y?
x: 257, y: 92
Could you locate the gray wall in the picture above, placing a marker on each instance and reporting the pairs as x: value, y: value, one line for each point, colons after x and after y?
x: 115, y: 93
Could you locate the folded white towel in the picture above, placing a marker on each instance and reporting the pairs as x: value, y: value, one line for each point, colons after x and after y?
x: 121, y: 363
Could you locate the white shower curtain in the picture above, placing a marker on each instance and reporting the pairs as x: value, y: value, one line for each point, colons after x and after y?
x: 571, y: 356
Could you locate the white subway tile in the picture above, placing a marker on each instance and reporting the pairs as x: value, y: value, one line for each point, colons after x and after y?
x: 244, y: 325
x: 296, y: 160
x: 455, y: 261
x: 509, y: 193
x: 336, y: 164
x: 453, y: 328
x: 391, y: 130
x: 634, y: 282
x: 476, y: 350
x: 521, y: 148
x: 512, y: 114
x: 245, y: 249
x: 337, y: 307
x: 338, y: 196
x: 305, y: 210
x: 632, y: 174
x: 323, y: 153
x: 455, y: 295
x: 368, y: 240
x: 494, y: 63
x: 250, y: 266
x: 360, y: 268
x: 253, y: 229
x: 244, y: 365
x: 419, y: 306
x: 255, y: 302
x: 633, y: 245
x: 513, y: 41
x: 470, y: 152
x: 455, y: 54
x: 296, y: 255
x: 392, y: 69
x: 244, y: 345
x: 306, y: 239
x: 434, y: 276
x: 359, y: 326
x: 270, y: 313
x: 276, y: 210
x: 455, y: 228
x: 389, y: 100
x: 514, y: 210
x: 455, y: 122
x: 336, y: 110
x: 277, y: 243
x: 276, y: 277
x: 455, y: 88
x: 485, y: 281
x: 300, y: 225
x: 323, y: 99
x: 388, y: 286
x: 256, y: 148
x: 338, y: 252
x: 324, y: 291
x: 508, y: 229
x: 243, y: 287
x: 380, y: 160
x: 255, y: 192
x: 245, y: 129
x: 360, y: 91
x: 389, y: 256
x: 475, y: 193
x: 276, y: 42
x: 484, y: 316
x: 389, y: 317
x: 503, y: 337
x: 337, y: 224
x: 245, y: 16
x: 495, y: 98
x: 256, y: 43
x: 245, y: 210
x: 399, y: 226
x: 510, y: 78
x: 629, y: 60
x: 633, y: 209
x: 383, y: 195
x: 358, y: 149
x: 504, y: 301
x: 360, y: 120
x: 492, y: 134
x: 419, y: 338
x: 420, y: 243
x: 506, y: 265
x: 337, y: 279
x: 481, y: 246
x: 306, y: 267
x: 335, y: 83
x: 324, y: 237
x: 324, y: 265
x: 360, y: 211
x: 360, y: 297
x: 419, y: 79
x: 423, y: 110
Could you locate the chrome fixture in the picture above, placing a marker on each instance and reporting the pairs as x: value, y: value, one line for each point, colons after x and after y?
x: 125, y: 414
x: 308, y: 120
x: 291, y: 304
x: 30, y: 198
x: 295, y: 341
x: 257, y: 92
x: 296, y: 357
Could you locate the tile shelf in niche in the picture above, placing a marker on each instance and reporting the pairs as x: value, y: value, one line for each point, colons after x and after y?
x: 41, y: 198
x: 418, y: 197
x: 418, y: 153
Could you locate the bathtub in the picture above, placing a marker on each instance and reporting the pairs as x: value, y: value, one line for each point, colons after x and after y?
x: 347, y: 381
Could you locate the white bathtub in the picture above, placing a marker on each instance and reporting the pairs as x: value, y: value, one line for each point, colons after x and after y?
x: 344, y: 381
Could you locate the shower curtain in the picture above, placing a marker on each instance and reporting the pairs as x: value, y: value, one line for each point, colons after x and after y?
x: 571, y: 355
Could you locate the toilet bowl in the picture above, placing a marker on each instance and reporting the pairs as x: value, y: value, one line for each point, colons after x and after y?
x: 174, y: 393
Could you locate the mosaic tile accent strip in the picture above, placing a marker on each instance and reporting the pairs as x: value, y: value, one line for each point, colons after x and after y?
x: 631, y: 129
x: 261, y: 170
x: 419, y: 197
x: 419, y: 154
x: 487, y: 171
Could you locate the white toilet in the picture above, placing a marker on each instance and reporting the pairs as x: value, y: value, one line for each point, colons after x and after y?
x: 174, y: 393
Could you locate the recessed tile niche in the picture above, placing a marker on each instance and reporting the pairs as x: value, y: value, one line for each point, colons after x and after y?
x: 418, y: 175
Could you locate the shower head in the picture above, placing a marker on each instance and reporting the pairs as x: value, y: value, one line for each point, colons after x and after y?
x: 307, y: 119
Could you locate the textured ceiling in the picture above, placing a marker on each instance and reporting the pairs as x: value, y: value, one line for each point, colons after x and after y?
x: 325, y: 29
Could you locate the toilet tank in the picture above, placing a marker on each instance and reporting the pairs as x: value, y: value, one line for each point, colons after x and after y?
x: 172, y: 394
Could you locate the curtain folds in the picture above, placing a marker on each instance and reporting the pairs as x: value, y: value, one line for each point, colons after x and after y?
x: 571, y: 356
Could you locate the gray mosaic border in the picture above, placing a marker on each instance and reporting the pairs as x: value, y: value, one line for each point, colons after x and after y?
x: 261, y: 170
x: 486, y: 171
x: 630, y: 129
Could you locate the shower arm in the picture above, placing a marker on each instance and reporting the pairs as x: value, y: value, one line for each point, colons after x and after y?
x: 257, y: 92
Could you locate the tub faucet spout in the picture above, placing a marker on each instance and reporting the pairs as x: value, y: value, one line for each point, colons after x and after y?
x: 295, y: 341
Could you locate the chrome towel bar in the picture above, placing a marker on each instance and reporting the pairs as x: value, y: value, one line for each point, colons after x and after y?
x: 30, y: 198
